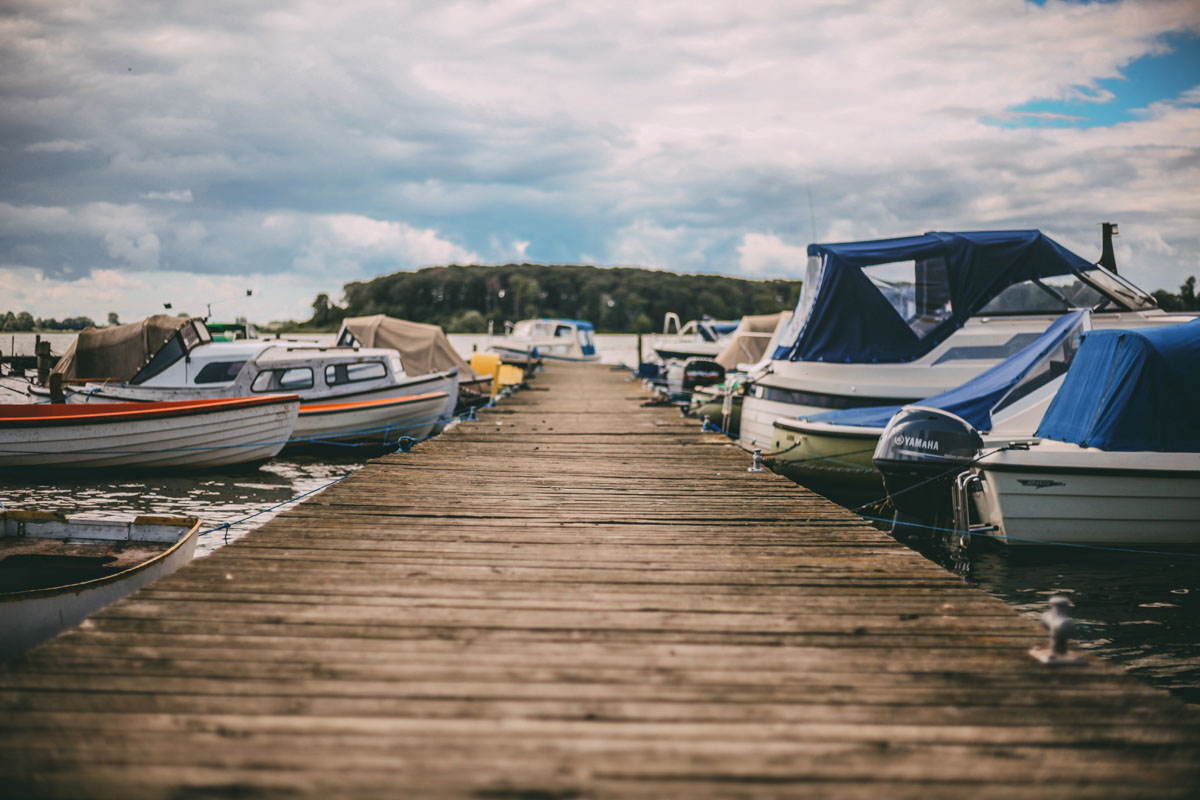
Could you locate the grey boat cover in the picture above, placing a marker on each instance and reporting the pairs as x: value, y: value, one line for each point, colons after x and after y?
x: 744, y: 348
x: 118, y: 351
x: 423, y: 348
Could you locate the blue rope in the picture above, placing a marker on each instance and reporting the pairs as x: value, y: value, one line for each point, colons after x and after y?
x: 227, y: 525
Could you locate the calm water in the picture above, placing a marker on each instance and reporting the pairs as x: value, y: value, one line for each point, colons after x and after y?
x: 1142, y: 611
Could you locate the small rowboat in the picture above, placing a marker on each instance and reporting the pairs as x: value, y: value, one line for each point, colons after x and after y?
x: 55, y: 571
x: 184, y: 434
x: 380, y: 422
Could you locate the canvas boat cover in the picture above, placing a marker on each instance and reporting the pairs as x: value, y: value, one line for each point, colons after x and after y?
x: 744, y: 346
x: 1039, y: 362
x: 1131, y: 390
x: 116, y: 352
x: 423, y: 348
x: 844, y: 316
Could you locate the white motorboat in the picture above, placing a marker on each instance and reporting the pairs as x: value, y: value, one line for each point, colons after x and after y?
x: 55, y: 571
x: 703, y: 338
x: 744, y: 345
x: 549, y: 339
x: 1118, y: 461
x: 348, y: 394
x: 833, y: 452
x: 423, y: 349
x: 182, y: 434
x: 889, y: 322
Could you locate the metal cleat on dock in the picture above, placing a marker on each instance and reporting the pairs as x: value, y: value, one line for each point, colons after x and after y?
x: 1058, y: 622
x: 757, y: 466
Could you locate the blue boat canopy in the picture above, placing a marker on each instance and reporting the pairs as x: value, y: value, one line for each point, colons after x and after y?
x: 1131, y: 390
x: 894, y: 300
x: 1038, y: 363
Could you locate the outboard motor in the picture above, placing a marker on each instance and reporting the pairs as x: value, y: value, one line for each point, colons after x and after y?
x: 921, y: 452
x: 701, y: 372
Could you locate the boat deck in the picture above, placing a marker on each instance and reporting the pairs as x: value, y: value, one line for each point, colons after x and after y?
x: 575, y: 596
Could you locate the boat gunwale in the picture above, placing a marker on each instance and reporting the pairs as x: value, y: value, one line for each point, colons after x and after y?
x: 70, y: 414
x: 53, y: 591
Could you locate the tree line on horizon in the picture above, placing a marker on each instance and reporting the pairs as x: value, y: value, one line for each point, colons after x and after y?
x: 464, y: 299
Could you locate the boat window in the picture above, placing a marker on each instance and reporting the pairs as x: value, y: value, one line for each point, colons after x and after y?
x: 1055, y: 295
x: 585, y: 340
x: 219, y: 372
x: 167, y: 355
x: 543, y: 329
x: 1124, y: 293
x: 202, y: 332
x: 562, y: 330
x: 337, y: 374
x: 347, y: 339
x: 919, y: 291
x: 283, y: 380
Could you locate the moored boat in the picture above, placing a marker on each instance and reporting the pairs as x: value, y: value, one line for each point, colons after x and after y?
x: 888, y: 322
x: 423, y: 349
x: 834, y: 453
x: 189, y: 365
x: 1118, y: 456
x: 698, y: 338
x: 549, y: 339
x: 54, y: 571
x: 183, y: 434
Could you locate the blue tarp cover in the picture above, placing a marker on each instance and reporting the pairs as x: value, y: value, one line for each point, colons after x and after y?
x: 852, y: 321
x: 1133, y: 390
x: 975, y: 399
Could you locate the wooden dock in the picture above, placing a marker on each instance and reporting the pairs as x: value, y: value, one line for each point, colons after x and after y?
x: 575, y: 596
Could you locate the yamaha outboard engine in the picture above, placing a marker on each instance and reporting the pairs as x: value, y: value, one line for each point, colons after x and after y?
x: 921, y: 452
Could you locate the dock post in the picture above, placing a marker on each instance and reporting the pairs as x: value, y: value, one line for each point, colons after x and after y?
x: 42, y: 350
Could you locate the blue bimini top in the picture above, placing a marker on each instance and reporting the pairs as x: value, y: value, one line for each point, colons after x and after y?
x: 930, y: 286
x: 1131, y: 390
x: 1039, y: 362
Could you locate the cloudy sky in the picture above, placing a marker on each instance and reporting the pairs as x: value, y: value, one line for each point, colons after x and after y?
x: 185, y: 152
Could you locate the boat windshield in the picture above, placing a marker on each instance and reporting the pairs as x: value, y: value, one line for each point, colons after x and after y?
x: 190, y: 335
x: 1097, y: 289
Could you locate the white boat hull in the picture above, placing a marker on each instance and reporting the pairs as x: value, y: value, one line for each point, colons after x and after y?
x: 216, y: 438
x: 33, y: 616
x: 1061, y: 501
x: 384, y: 421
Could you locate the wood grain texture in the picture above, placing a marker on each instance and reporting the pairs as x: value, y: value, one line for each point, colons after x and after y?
x: 575, y: 596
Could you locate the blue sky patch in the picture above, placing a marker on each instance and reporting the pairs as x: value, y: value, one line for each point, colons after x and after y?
x: 1150, y: 79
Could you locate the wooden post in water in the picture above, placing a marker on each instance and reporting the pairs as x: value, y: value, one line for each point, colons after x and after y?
x: 56, y: 388
x: 42, y: 350
x: 639, y: 348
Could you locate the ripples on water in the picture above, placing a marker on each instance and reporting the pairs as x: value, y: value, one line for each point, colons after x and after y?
x: 214, y: 497
x: 1140, y: 610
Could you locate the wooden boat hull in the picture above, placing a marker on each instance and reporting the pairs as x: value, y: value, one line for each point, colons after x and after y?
x: 32, y: 615
x: 195, y: 434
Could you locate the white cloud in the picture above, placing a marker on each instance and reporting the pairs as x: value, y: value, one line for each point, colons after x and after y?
x: 340, y: 141
x: 766, y: 255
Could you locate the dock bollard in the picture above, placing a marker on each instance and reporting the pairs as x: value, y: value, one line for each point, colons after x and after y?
x: 406, y: 443
x: 757, y: 466
x: 1058, y: 622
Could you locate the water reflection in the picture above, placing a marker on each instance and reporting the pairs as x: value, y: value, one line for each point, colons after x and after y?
x: 215, y: 497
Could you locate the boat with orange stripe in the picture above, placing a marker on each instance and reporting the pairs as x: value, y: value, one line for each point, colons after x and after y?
x: 180, y: 434
x: 381, y: 422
